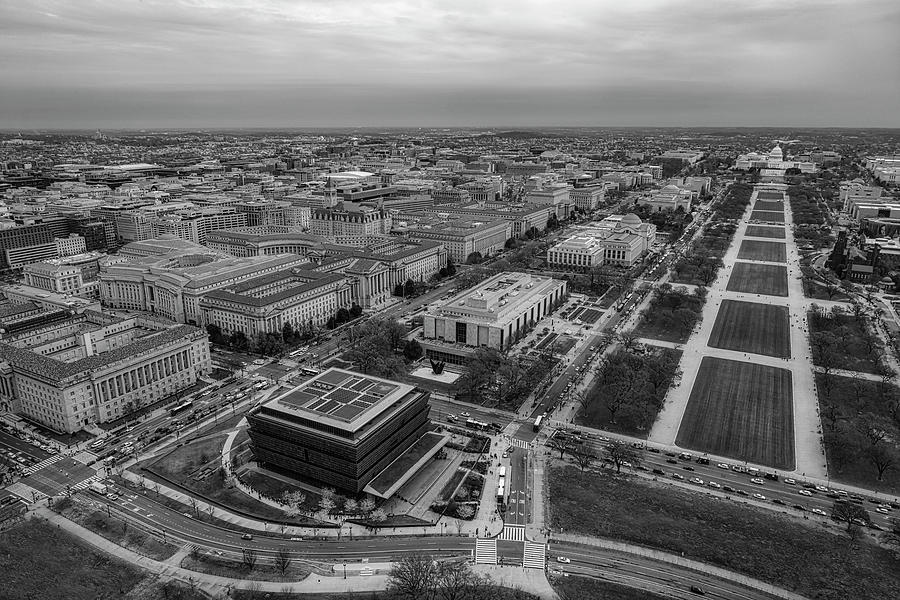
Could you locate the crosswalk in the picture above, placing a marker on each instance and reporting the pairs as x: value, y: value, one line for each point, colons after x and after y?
x: 486, y: 551
x: 28, y: 493
x: 513, y: 533
x: 82, y: 485
x: 518, y: 443
x: 535, y: 555
x: 37, y: 467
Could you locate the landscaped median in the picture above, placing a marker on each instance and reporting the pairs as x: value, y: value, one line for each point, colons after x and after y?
x: 800, y: 556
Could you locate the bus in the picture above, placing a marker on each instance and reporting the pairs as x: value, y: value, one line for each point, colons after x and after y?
x: 309, y: 371
x: 502, y: 472
x: 538, y: 422
x: 473, y: 424
x: 501, y: 491
x: 181, y: 407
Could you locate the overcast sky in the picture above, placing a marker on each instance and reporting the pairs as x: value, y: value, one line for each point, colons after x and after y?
x: 208, y: 63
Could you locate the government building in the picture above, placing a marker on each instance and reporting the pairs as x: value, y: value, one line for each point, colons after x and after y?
x: 91, y: 368
x: 493, y: 314
x: 354, y: 432
x: 617, y: 240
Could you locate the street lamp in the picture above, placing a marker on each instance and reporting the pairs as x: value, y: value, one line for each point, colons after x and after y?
x: 345, y: 570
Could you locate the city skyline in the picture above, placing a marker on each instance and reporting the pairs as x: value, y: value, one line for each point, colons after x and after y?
x: 401, y: 64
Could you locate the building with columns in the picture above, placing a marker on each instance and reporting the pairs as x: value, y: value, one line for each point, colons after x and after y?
x: 94, y: 368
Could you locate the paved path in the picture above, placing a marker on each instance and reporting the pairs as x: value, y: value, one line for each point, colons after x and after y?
x: 808, y: 448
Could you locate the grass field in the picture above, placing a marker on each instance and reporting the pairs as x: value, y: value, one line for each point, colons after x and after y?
x: 751, y: 278
x: 772, y: 216
x: 776, y: 205
x: 752, y: 327
x: 741, y: 410
x: 38, y: 560
x: 760, y: 250
x: 798, y: 555
x: 588, y: 588
x: 765, y: 195
x: 766, y: 232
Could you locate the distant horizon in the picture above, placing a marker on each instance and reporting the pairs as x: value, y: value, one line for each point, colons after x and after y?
x: 216, y: 64
x: 496, y: 128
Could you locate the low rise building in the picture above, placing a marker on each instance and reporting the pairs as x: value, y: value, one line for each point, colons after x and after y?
x: 463, y: 237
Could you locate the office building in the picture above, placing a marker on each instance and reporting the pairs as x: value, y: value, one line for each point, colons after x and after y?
x: 462, y: 237
x: 343, y: 429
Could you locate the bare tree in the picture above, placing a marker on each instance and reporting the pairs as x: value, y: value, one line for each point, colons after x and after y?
x: 413, y: 577
x: 627, y: 339
x: 194, y: 505
x: 254, y: 590
x: 248, y: 557
x: 282, y: 560
x: 849, y: 513
x: 584, y: 459
x: 620, y: 453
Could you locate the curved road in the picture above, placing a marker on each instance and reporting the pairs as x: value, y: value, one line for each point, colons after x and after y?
x: 671, y: 581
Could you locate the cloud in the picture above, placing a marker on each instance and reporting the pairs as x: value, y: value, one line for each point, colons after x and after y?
x: 647, y: 59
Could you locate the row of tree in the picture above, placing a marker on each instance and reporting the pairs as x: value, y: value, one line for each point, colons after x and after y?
x: 379, y: 347
x: 673, y: 309
x: 421, y: 577
x: 495, y: 378
x: 629, y: 389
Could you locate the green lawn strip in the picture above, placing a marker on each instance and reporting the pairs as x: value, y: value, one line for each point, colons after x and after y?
x: 750, y: 278
x: 752, y: 327
x: 263, y: 570
x: 763, y: 250
x: 793, y: 554
x: 588, y: 588
x: 742, y: 410
x: 118, y: 531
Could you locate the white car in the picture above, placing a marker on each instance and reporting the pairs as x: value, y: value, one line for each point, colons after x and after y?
x: 821, y: 488
x: 757, y: 481
x: 714, y: 485
x: 790, y: 481
x: 696, y: 480
x: 723, y: 466
x: 883, y: 511
x: 759, y: 496
x: 805, y: 493
x: 819, y: 512
x: 563, y: 559
x: 465, y: 414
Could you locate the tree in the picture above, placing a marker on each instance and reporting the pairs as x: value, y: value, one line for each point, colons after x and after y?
x: 465, y: 511
x: 882, y: 455
x: 287, y: 332
x: 326, y: 504
x: 215, y: 334
x: 367, y: 506
x: 342, y: 316
x: 451, y: 268
x: 248, y: 557
x: 355, y: 311
x: 294, y: 503
x: 351, y: 506
x: 282, y: 560
x: 584, y: 459
x: 620, y: 453
x: 627, y: 339
x: 239, y: 342
x: 558, y: 445
x: 474, y: 258
x: 378, y: 516
x: 413, y: 350
x: 414, y: 577
x: 849, y: 513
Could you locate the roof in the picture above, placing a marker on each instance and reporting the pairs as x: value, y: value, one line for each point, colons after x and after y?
x: 57, y: 370
x: 340, y: 398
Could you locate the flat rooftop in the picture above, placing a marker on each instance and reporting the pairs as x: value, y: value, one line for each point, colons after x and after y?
x: 495, y: 298
x: 339, y: 398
